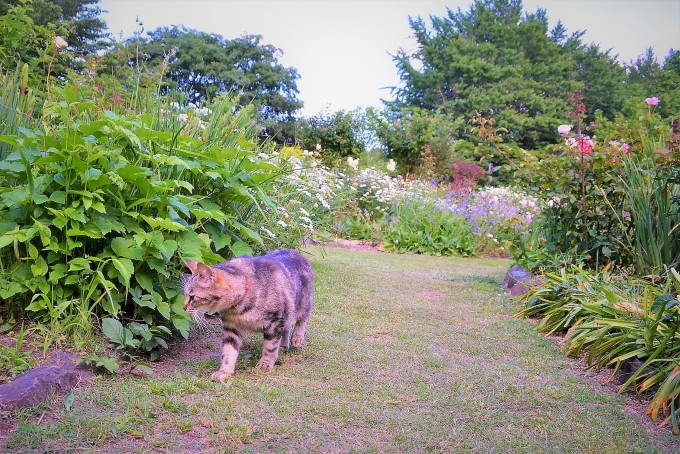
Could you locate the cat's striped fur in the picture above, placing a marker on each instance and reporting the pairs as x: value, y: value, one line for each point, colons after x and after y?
x: 271, y: 294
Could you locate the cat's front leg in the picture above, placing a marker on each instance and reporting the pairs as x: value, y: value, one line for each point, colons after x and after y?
x: 231, y: 344
x: 273, y: 335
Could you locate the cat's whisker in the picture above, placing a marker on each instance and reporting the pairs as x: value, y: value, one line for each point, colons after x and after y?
x: 202, y: 325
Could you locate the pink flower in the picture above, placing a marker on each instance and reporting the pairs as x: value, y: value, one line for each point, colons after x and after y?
x: 586, y: 145
x: 653, y: 101
x: 615, y: 143
x: 564, y: 130
x: 624, y: 147
x: 571, y: 142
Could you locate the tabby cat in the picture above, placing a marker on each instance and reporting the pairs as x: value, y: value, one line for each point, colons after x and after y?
x: 267, y: 294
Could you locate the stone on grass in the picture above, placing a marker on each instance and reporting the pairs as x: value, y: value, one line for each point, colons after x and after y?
x: 32, y: 387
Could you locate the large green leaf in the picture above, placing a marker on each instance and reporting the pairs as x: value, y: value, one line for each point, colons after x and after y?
x: 125, y: 247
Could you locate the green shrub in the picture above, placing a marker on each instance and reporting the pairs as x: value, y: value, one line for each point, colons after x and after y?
x: 98, y: 209
x: 422, y: 228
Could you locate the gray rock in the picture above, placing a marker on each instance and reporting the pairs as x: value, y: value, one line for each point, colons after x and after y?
x: 32, y: 387
x: 518, y: 281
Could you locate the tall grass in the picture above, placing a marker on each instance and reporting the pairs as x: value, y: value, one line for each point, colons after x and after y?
x: 17, y: 103
x: 654, y: 241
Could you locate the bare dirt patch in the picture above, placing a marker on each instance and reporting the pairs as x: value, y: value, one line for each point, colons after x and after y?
x: 355, y: 244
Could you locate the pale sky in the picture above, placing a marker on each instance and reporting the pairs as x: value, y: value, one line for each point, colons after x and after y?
x: 341, y: 47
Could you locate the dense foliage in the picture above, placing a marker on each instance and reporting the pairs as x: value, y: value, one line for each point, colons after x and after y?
x: 505, y: 64
x: 203, y: 65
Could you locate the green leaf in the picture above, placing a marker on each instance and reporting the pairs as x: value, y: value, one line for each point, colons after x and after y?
x: 191, y: 245
x: 219, y: 238
x: 144, y: 368
x: 125, y: 267
x: 167, y: 248
x: 68, y: 401
x: 240, y: 248
x: 108, y: 224
x: 11, y: 289
x: 15, y: 197
x: 39, y: 268
x: 145, y: 281
x: 79, y: 263
x: 181, y: 324
x: 163, y: 308
x: 163, y: 223
x: 125, y: 247
x: 110, y: 364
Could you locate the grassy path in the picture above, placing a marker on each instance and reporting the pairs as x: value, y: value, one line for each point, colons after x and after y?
x: 405, y: 353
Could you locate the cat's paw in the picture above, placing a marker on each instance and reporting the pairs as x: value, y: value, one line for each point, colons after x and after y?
x: 264, y: 365
x: 297, y: 341
x: 220, y: 376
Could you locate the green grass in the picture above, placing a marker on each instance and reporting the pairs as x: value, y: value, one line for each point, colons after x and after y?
x: 405, y: 353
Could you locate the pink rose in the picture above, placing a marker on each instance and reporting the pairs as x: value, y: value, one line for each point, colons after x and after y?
x: 653, y: 101
x: 564, y: 130
x: 624, y: 147
x: 586, y: 145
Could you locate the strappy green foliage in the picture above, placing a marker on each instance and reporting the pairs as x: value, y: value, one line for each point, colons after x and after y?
x: 628, y: 325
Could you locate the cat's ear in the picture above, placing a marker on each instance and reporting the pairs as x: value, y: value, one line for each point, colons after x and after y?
x: 219, y: 277
x: 204, y: 270
x: 193, y: 265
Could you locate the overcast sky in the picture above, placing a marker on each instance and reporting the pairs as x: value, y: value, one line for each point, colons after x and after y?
x: 341, y: 47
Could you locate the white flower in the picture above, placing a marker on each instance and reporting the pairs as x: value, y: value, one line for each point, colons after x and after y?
x: 318, y: 147
x: 353, y: 163
x: 282, y: 224
x: 184, y: 118
x: 391, y: 166
x: 564, y: 130
x: 60, y: 43
x: 268, y: 232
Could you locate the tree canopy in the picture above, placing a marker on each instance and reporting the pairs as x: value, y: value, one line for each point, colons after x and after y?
x: 203, y: 65
x: 79, y: 20
x: 508, y: 65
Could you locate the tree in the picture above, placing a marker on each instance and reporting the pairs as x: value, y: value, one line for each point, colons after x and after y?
x: 340, y: 134
x: 78, y: 21
x: 506, y: 65
x: 204, y: 65
x: 418, y: 140
x: 648, y: 78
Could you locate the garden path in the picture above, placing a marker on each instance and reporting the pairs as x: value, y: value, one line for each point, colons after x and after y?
x: 405, y: 353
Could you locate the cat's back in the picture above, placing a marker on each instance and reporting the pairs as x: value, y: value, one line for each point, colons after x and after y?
x: 294, y: 262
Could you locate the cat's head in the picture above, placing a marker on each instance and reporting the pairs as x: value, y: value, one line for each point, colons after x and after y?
x: 210, y: 289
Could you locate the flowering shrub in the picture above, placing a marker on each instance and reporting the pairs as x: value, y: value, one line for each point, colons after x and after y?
x: 497, y: 216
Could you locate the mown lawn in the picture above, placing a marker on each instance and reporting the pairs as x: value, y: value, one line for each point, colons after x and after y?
x: 405, y: 353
